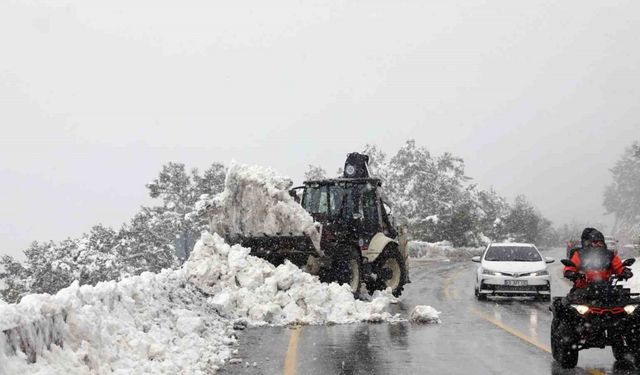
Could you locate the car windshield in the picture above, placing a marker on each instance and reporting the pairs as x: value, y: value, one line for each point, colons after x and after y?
x: 512, y: 254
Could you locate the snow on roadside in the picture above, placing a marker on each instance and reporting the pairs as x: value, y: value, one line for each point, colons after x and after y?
x: 441, y: 250
x: 152, y: 323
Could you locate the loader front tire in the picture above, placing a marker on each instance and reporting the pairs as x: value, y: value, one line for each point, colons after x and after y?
x: 347, y: 269
x: 391, y: 271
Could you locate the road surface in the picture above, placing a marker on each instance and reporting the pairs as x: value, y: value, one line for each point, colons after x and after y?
x: 498, y: 336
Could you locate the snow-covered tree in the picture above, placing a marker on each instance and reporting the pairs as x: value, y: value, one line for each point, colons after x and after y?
x: 377, y: 161
x: 96, y: 257
x: 13, y: 275
x: 51, y: 265
x: 146, y: 243
x: 622, y: 196
x: 494, y: 210
x: 435, y: 199
x: 523, y: 221
x: 430, y: 194
x: 548, y: 235
x: 179, y: 192
x: 315, y: 172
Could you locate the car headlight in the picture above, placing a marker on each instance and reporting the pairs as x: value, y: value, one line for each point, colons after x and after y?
x: 540, y: 273
x: 629, y: 309
x: 493, y: 273
x: 582, y: 309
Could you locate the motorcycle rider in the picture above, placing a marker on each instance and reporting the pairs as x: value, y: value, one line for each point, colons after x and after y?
x: 594, y: 262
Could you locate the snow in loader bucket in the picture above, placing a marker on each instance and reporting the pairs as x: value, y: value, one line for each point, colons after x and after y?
x: 256, y: 210
x: 277, y: 248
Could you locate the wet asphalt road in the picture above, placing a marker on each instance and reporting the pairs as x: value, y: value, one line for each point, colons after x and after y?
x: 498, y: 336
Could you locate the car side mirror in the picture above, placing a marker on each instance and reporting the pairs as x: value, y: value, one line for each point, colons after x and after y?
x: 567, y: 263
x: 628, y: 262
x: 476, y: 259
x: 549, y: 260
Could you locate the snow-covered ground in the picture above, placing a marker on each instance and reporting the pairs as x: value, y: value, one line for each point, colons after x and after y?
x: 441, y: 250
x: 182, y: 321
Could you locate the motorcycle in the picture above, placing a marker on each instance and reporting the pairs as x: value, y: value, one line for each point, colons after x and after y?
x: 603, y: 314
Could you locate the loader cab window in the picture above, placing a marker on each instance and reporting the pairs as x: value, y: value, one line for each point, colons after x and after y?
x: 315, y: 200
x: 341, y: 203
x: 370, y: 206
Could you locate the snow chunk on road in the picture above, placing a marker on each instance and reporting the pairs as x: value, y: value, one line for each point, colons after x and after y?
x: 244, y: 287
x: 424, y: 314
x: 256, y: 201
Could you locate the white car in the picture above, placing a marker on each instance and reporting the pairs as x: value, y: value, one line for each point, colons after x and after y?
x: 512, y: 269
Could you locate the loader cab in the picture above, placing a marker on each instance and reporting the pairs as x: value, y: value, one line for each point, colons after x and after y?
x: 351, y: 207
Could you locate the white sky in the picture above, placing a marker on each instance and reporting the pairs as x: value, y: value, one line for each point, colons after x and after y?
x: 538, y: 97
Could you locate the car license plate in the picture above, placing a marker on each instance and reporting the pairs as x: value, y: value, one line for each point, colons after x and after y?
x: 516, y: 282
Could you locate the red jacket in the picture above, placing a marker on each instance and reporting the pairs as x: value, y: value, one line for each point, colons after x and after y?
x: 596, y: 263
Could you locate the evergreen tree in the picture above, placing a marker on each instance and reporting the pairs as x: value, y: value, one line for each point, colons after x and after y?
x: 523, y: 221
x: 622, y: 197
x: 494, y: 210
x: 179, y: 192
x: 146, y: 243
x: 51, y: 266
x: 14, y: 277
x: 377, y: 161
x: 97, y: 258
x: 315, y: 172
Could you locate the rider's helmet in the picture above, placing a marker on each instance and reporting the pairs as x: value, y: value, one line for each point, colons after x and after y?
x: 590, y: 235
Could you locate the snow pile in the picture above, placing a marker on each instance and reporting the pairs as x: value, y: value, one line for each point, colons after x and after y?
x: 256, y: 202
x: 441, y: 250
x: 243, y: 287
x: 424, y: 314
x: 152, y: 323
x: 164, y: 324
